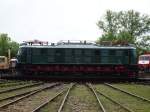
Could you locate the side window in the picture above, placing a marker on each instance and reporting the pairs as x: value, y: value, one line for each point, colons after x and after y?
x: 22, y: 54
x: 96, y: 56
x: 19, y: 52
x: 147, y: 58
x: 51, y: 59
x: 51, y: 52
x: 58, y: 52
x: 59, y: 56
x: 104, y: 52
x: 43, y: 51
x: 2, y: 60
x: 77, y: 56
x: 97, y: 52
x: 119, y: 53
x: 87, y: 52
x: 23, y: 51
x: 133, y: 56
x: 36, y: 51
x: 68, y: 52
x: 126, y: 52
x: 88, y: 60
x: 77, y: 52
x: 51, y: 55
x: 87, y: 56
x: 112, y: 52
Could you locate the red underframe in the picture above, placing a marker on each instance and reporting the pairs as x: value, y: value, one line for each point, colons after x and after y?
x: 79, y: 69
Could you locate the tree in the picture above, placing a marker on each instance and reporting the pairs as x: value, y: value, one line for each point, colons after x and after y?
x: 143, y: 45
x: 127, y: 26
x: 14, y: 48
x: 109, y: 24
x: 6, y: 43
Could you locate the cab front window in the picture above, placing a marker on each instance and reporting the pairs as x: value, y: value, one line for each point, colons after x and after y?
x: 144, y: 58
x: 2, y: 60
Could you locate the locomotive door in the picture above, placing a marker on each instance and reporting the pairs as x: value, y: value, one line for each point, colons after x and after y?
x: 29, y: 56
x: 59, y: 56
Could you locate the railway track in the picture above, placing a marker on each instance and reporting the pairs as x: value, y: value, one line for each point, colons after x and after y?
x: 101, y: 105
x: 3, y: 81
x: 97, y: 98
x: 54, y: 97
x: 12, y: 84
x: 126, y: 100
x: 143, y: 83
x: 115, y: 102
x: 60, y: 97
x: 22, y: 87
x: 127, y: 92
x: 27, y: 90
x: 5, y: 107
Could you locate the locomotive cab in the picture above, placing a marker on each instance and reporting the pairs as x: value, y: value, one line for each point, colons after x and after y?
x: 4, y: 63
x: 144, y: 62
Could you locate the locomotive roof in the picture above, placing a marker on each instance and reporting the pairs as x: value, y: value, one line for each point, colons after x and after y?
x: 79, y: 46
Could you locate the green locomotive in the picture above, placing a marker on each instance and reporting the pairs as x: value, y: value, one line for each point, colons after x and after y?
x: 78, y: 59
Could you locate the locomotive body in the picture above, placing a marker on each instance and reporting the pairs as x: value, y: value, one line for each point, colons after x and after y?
x: 78, y: 59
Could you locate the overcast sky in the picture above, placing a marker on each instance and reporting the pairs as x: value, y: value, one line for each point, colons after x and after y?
x: 55, y: 20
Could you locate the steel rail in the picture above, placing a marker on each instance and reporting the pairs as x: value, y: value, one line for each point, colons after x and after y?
x: 5, y: 82
x: 48, y: 101
x: 65, y: 98
x: 22, y: 87
x: 2, y: 80
x: 13, y: 84
x: 28, y: 95
x: 93, y: 90
x: 126, y: 108
x: 129, y: 93
x: 17, y: 95
x: 143, y: 83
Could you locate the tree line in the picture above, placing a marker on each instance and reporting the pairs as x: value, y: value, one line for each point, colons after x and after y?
x: 6, y: 43
x: 126, y: 26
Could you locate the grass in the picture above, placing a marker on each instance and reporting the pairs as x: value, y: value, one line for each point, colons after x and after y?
x: 81, y: 99
x: 54, y: 105
x: 110, y: 106
x: 129, y: 101
x: 141, y: 90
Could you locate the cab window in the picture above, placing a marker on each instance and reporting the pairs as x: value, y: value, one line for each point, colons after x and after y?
x: 144, y: 58
x: 2, y: 60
